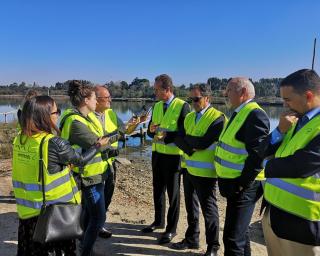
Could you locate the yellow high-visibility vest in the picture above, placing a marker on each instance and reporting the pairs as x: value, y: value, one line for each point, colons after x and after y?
x: 96, y: 165
x: 201, y: 163
x: 26, y: 179
x: 298, y: 196
x: 167, y: 122
x: 231, y: 153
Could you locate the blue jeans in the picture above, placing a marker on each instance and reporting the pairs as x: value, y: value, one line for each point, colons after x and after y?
x: 239, y: 211
x: 94, y: 216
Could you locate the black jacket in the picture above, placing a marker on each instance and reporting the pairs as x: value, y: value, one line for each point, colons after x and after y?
x: 60, y: 154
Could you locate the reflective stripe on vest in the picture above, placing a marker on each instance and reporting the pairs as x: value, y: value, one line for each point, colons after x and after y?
x: 37, y: 205
x: 167, y: 122
x: 38, y: 187
x: 95, y: 166
x: 59, y: 187
x: 297, y: 196
x: 231, y: 153
x: 201, y: 162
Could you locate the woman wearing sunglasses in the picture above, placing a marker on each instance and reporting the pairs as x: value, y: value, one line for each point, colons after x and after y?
x: 38, y: 125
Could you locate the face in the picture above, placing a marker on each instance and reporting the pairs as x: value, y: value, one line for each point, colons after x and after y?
x: 233, y: 95
x: 103, y: 100
x: 91, y: 102
x: 161, y: 94
x: 55, y: 113
x: 294, y: 101
x: 199, y: 102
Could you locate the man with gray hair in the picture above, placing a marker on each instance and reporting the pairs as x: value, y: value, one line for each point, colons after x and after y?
x: 238, y: 164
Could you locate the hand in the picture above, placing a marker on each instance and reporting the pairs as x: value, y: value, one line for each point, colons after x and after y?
x: 153, y: 127
x: 103, y: 141
x: 143, y: 118
x: 287, y: 119
x: 133, y: 121
x: 70, y: 166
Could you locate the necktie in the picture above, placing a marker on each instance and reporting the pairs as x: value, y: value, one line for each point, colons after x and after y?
x: 198, y: 116
x: 301, y: 122
x: 231, y: 118
x: 165, y: 106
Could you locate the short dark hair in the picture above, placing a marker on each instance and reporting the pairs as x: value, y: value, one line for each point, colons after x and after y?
x: 36, y: 116
x: 79, y: 90
x: 302, y: 81
x: 204, y: 89
x: 165, y: 80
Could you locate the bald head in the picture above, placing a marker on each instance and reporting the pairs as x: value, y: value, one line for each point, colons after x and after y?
x: 239, y: 90
x: 103, y: 98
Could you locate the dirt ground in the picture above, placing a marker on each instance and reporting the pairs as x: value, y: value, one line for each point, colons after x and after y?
x: 130, y: 211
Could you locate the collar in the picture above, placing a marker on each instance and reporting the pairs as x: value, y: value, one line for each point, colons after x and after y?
x: 204, y: 110
x: 242, y: 105
x: 311, y: 113
x: 169, y: 100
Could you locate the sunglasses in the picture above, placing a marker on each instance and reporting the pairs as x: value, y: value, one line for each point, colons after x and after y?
x: 58, y: 112
x: 195, y: 99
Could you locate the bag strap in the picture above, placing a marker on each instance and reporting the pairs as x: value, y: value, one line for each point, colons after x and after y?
x: 41, y: 174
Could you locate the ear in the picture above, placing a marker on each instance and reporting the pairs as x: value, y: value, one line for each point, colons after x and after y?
x: 243, y: 91
x: 309, y: 96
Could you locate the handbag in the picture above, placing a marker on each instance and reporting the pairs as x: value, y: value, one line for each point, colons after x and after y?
x: 56, y: 222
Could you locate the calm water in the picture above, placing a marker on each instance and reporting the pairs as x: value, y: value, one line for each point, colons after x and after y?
x: 125, y: 111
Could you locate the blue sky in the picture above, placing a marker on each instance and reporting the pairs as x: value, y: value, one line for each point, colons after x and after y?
x: 55, y: 40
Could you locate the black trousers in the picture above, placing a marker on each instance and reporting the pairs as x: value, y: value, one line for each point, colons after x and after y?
x: 166, y: 177
x: 240, y: 207
x: 201, y: 190
x: 109, y: 185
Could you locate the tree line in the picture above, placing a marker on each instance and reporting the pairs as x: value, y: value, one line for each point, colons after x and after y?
x: 142, y: 88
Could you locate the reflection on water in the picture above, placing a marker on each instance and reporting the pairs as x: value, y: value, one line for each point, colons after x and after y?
x: 125, y: 110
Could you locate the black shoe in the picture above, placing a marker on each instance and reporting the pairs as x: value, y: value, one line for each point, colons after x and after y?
x: 166, y: 237
x: 151, y: 228
x: 183, y: 245
x: 211, y: 251
x: 104, y: 233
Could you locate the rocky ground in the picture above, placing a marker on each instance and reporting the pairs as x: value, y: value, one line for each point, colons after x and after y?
x: 130, y: 211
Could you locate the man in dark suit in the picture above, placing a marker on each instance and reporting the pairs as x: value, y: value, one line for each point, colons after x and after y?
x: 166, y: 123
x: 291, y: 222
x: 238, y: 164
x: 203, y: 128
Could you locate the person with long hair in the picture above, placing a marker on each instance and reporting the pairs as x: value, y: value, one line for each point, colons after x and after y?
x: 38, y: 126
x: 82, y: 130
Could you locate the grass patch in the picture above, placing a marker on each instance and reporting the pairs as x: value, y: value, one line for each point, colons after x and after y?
x: 7, y: 134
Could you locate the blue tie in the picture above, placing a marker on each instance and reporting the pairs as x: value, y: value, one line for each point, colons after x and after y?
x: 198, y: 116
x: 165, y: 106
x: 301, y: 122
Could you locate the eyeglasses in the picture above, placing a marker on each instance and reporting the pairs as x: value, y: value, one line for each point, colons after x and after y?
x: 58, y: 112
x: 195, y: 99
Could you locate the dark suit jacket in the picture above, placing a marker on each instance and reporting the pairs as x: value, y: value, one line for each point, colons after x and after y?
x: 303, y: 163
x: 255, y: 128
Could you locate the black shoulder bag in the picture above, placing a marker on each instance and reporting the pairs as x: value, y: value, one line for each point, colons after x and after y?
x: 56, y: 222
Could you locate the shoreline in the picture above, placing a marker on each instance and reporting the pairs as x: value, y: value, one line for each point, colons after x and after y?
x: 264, y: 101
